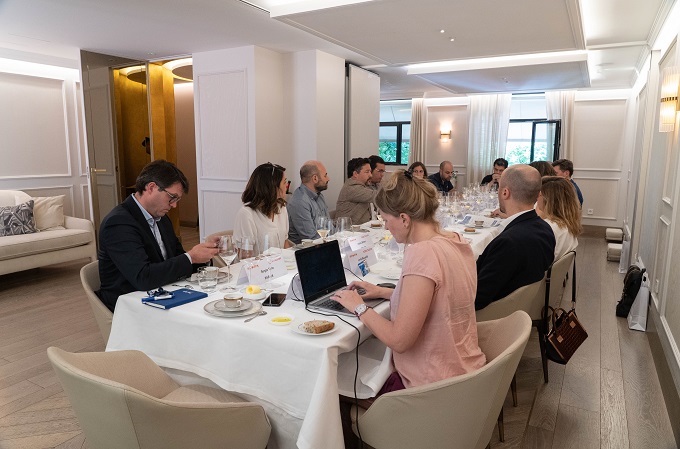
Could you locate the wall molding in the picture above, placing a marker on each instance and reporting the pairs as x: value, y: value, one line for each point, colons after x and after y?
x: 613, y: 170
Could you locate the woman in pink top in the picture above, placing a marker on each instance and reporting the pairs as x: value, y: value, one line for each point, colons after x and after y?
x: 432, y: 328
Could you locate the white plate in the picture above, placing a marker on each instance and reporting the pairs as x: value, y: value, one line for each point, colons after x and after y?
x: 297, y: 328
x: 281, y: 323
x: 222, y: 277
x: 219, y: 306
x: 389, y: 274
x: 256, y: 296
x: 211, y: 310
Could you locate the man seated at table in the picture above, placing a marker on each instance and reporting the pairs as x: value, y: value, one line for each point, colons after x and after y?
x: 522, y: 253
x: 138, y: 248
x: 499, y: 165
x: 356, y: 197
x: 377, y: 171
x: 307, y: 203
x: 442, y: 179
x: 565, y: 169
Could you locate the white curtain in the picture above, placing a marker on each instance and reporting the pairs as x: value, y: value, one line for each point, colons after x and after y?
x: 489, y: 120
x: 560, y: 106
x: 418, y: 122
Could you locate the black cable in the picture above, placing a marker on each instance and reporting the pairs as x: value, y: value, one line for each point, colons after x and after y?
x: 356, y: 371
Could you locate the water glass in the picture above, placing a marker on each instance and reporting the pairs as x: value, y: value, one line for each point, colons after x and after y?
x: 247, y: 248
x: 207, y: 278
x: 344, y: 225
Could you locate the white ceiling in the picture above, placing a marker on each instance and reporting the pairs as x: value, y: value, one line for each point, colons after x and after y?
x: 382, y: 35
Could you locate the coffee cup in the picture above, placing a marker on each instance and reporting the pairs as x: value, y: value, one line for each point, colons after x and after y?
x: 479, y: 223
x: 233, y: 300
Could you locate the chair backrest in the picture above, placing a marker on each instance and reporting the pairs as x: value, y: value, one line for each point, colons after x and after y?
x: 118, y: 398
x: 89, y: 276
x: 556, y: 275
x: 530, y: 298
x: 459, y: 412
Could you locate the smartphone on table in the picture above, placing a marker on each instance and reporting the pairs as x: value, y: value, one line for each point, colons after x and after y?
x: 275, y: 300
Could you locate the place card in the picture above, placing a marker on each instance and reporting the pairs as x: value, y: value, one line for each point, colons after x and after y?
x: 357, y: 242
x: 260, y: 271
x: 359, y: 261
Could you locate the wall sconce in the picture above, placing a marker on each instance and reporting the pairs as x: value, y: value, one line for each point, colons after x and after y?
x: 445, y: 136
x: 670, y: 81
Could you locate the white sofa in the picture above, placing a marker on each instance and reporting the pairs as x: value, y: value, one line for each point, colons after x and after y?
x: 76, y: 240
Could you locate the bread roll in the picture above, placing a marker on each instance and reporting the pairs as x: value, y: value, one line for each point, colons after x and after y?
x: 317, y: 326
x: 469, y: 230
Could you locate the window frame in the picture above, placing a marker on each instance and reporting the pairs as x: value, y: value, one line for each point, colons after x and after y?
x: 557, y: 144
x: 399, y: 126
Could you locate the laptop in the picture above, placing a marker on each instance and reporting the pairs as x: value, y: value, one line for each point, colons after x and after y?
x: 321, y: 275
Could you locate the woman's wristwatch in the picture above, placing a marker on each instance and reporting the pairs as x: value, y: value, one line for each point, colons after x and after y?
x: 360, y: 309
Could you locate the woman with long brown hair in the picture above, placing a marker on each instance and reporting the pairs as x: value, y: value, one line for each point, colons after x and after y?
x: 558, y: 205
x: 264, y: 207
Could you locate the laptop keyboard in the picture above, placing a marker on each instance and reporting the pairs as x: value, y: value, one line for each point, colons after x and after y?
x: 329, y: 303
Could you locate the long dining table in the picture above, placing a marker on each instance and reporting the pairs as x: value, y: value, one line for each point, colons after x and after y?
x: 296, y: 377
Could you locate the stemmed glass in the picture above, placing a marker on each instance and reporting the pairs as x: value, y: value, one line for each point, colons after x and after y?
x: 324, y: 225
x: 227, y: 251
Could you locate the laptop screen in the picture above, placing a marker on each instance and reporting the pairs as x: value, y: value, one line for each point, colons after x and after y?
x: 321, y: 270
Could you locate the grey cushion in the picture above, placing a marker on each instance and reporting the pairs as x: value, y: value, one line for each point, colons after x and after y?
x: 16, y: 220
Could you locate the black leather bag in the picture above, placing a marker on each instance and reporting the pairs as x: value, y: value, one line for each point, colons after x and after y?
x: 631, y: 285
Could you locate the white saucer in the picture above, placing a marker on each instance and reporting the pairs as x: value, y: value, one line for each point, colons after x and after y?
x: 298, y: 329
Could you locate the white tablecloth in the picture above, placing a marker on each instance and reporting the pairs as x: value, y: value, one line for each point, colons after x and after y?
x: 297, y: 374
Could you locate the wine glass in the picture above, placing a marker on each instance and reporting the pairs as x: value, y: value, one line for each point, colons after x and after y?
x: 246, y: 248
x: 227, y: 251
x: 323, y: 226
x: 270, y: 244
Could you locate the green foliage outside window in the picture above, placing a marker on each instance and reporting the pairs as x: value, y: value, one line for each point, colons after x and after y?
x: 520, y: 153
x: 388, y: 151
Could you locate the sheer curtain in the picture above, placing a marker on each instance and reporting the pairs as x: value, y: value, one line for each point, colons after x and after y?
x: 489, y: 120
x: 418, y: 122
x: 560, y: 106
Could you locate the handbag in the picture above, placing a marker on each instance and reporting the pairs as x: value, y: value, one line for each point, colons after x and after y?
x: 565, y: 335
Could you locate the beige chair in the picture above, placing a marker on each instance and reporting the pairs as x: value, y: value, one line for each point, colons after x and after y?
x: 459, y: 412
x: 89, y: 276
x: 122, y: 399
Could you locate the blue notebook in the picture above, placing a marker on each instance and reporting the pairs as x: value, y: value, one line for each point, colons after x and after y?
x: 179, y: 297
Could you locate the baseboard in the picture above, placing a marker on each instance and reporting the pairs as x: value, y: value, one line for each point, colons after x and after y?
x: 671, y: 394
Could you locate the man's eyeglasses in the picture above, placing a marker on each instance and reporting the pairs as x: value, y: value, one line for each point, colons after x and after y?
x: 173, y: 198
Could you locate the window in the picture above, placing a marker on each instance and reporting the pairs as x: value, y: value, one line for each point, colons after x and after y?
x: 530, y: 136
x: 395, y: 131
x: 532, y: 140
x: 395, y: 140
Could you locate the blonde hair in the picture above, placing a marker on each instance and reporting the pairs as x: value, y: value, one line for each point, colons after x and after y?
x: 560, y: 203
x: 403, y: 193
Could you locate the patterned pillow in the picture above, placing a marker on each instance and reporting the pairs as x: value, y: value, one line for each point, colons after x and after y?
x: 15, y: 220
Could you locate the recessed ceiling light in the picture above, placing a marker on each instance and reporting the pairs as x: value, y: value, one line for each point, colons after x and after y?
x: 452, y: 39
x: 442, y: 31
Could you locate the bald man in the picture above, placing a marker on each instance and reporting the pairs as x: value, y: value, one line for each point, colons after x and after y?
x: 522, y: 253
x: 442, y: 179
x: 307, y: 202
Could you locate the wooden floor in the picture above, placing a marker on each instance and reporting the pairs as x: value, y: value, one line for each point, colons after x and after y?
x: 608, y: 396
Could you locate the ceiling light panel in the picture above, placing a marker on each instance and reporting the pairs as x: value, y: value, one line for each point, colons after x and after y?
x: 385, y: 31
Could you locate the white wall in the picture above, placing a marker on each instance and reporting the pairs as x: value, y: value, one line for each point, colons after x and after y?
x: 363, y: 113
x: 41, y: 133
x: 317, y: 95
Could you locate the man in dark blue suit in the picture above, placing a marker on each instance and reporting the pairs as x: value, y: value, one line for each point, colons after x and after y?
x: 138, y: 248
x: 522, y: 253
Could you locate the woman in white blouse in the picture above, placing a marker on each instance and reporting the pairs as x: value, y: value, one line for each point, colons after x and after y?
x: 263, y: 215
x: 558, y: 205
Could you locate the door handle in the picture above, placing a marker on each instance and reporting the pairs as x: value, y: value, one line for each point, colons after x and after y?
x: 97, y: 170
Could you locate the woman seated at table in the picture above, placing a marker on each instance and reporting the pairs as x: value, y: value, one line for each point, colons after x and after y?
x: 545, y: 168
x: 418, y: 169
x: 432, y: 328
x: 264, y: 207
x: 558, y: 205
